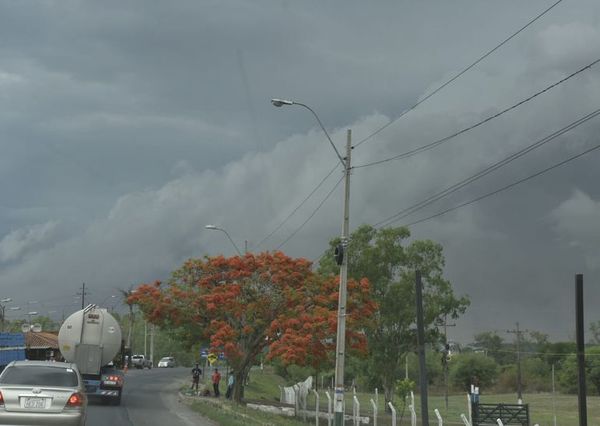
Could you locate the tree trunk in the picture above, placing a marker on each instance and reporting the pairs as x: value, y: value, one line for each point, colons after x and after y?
x: 238, y: 384
x: 388, y: 394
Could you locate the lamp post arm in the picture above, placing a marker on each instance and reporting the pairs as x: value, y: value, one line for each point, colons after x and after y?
x: 324, y: 131
x: 232, y: 242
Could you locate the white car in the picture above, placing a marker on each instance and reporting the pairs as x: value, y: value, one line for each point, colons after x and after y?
x: 166, y: 362
x: 42, y: 393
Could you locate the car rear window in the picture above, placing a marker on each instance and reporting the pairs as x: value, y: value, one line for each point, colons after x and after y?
x: 39, y: 375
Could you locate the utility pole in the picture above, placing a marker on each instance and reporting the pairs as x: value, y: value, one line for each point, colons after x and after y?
x: 579, y: 331
x: 340, y: 347
x: 445, y: 357
x: 82, y: 294
x: 152, y: 344
x: 519, y: 380
x: 421, y: 348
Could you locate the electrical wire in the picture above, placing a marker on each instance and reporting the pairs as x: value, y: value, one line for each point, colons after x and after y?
x: 481, y: 58
x: 504, y: 188
x: 311, y: 215
x: 453, y: 188
x: 278, y: 227
x: 433, y: 144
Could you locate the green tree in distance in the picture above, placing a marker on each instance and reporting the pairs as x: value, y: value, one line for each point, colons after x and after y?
x: 382, y: 256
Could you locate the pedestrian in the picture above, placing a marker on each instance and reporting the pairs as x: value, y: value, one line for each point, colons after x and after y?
x: 230, y: 382
x: 196, y: 373
x: 216, y: 378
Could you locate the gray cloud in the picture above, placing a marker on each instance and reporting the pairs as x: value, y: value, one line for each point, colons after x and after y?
x: 134, y: 125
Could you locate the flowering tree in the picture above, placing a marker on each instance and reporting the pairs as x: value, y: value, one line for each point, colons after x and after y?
x: 246, y: 304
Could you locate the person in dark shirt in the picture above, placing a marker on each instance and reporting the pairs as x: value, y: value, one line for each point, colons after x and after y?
x: 196, y: 373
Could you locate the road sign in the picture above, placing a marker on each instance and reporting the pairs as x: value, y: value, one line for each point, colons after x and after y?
x: 203, y: 352
x: 212, y: 358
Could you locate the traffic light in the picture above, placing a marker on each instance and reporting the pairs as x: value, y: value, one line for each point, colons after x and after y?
x: 339, y: 254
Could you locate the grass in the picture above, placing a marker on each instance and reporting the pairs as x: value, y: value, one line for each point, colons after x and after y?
x: 264, y: 386
x: 228, y: 414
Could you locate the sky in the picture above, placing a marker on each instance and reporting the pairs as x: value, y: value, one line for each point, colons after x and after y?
x: 126, y: 127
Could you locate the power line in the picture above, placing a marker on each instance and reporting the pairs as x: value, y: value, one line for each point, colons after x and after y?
x: 481, y: 58
x: 504, y: 188
x: 311, y: 215
x: 297, y: 207
x: 433, y: 144
x: 453, y: 188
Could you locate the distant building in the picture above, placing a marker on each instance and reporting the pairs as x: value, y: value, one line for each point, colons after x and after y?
x: 42, y: 346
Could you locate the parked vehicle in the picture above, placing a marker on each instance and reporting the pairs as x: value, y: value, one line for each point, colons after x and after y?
x: 12, y: 348
x: 42, y: 393
x: 140, y: 361
x: 166, y: 362
x: 90, y: 338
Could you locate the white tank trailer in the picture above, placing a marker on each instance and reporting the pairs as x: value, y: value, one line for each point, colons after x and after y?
x: 91, y: 338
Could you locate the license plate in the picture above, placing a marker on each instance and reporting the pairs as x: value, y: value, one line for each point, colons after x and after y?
x: 33, y: 402
x: 110, y: 382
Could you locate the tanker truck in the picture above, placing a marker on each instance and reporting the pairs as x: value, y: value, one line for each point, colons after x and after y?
x: 91, y: 338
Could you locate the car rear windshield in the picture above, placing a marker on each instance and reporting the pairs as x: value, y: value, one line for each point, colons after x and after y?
x: 39, y: 375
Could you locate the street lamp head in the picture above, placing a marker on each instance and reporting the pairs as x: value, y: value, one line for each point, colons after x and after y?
x: 281, y: 102
x: 14, y: 308
x: 6, y: 300
x: 32, y: 313
x: 210, y: 227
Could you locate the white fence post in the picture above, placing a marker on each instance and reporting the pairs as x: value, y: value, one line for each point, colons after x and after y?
x: 304, y: 398
x: 437, y: 414
x: 465, y: 420
x: 499, y: 422
x: 469, y: 408
x: 374, y: 404
x: 393, y: 413
x: 413, y: 415
x: 296, y: 406
x: 356, y: 411
x: 377, y: 396
x: 316, y: 407
x: 328, y: 408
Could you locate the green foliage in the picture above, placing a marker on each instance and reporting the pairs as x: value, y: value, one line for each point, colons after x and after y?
x: 493, y: 346
x: 404, y: 387
x: 389, y: 263
x: 466, y: 366
x: 568, y: 377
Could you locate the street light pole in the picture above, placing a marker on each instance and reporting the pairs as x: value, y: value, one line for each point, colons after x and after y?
x: 340, y: 349
x: 216, y: 228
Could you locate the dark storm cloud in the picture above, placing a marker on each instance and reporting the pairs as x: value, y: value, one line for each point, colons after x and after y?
x: 125, y: 127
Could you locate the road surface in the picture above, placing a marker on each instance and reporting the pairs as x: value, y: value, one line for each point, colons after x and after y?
x: 150, y: 399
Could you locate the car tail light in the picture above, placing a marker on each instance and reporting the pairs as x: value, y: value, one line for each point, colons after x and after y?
x: 75, y: 400
x: 1, y: 400
x: 117, y: 379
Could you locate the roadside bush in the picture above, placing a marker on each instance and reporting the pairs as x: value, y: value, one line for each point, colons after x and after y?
x: 464, y: 366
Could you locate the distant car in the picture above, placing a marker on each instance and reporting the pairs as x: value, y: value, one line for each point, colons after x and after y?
x: 140, y: 361
x: 42, y: 393
x: 166, y: 362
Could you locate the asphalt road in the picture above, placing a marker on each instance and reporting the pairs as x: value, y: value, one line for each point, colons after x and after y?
x: 150, y: 399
